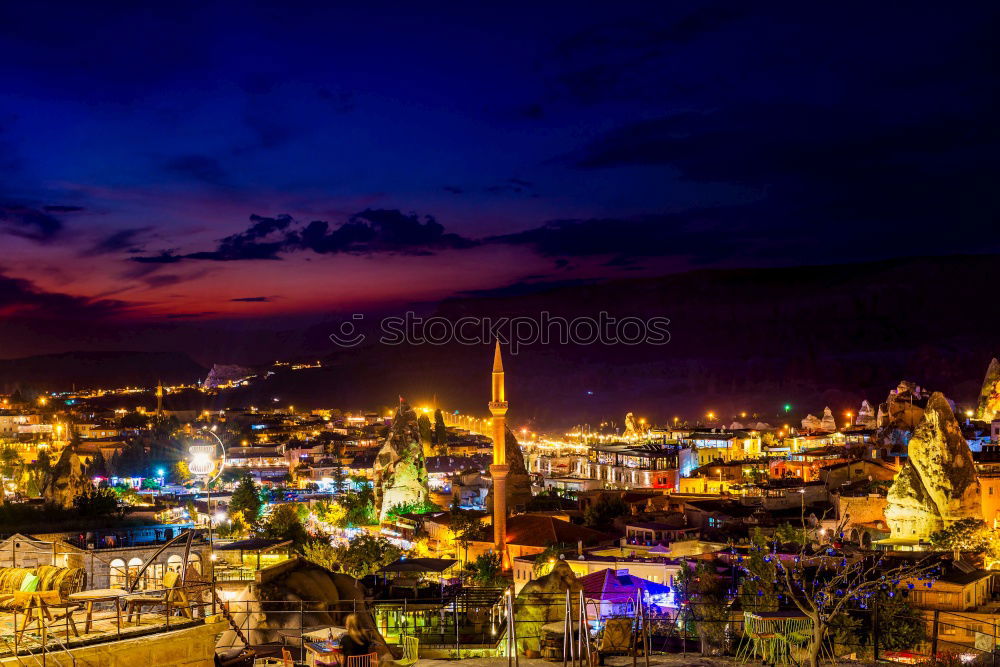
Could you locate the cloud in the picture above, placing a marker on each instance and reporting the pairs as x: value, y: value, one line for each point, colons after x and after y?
x: 251, y: 244
x: 453, y: 189
x: 517, y: 186
x: 30, y: 222
x: 122, y: 240
x: 62, y: 209
x: 203, y: 168
x: 252, y: 299
x: 380, y: 231
x: 372, y: 231
x: 164, y: 257
x: 22, y: 298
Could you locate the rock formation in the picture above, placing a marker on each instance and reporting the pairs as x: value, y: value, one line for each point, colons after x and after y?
x: 866, y: 416
x: 518, y: 480
x: 811, y: 423
x: 542, y: 601
x: 261, y: 611
x: 988, y: 408
x: 938, y: 485
x: 633, y: 429
x: 828, y: 423
x: 400, y: 473
x: 222, y: 374
x: 899, y: 415
x: 67, y: 479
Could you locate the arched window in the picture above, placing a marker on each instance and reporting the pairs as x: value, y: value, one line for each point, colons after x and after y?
x: 118, y: 571
x: 134, y: 565
x: 194, y: 562
x: 174, y: 563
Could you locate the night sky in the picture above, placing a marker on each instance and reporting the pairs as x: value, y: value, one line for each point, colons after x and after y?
x: 208, y: 162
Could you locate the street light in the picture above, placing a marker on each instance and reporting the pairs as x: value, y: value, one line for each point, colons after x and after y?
x: 202, y: 463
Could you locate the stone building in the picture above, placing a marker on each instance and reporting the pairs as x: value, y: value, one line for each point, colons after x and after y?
x: 105, y: 567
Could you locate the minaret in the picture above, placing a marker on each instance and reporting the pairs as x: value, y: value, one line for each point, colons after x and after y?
x: 499, y: 469
x: 159, y: 398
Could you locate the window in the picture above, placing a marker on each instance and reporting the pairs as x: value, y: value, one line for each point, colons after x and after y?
x: 117, y: 578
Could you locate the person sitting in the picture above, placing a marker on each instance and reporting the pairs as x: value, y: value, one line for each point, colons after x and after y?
x: 355, y: 641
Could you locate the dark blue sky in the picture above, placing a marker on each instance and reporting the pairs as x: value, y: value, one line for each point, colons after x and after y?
x: 209, y: 160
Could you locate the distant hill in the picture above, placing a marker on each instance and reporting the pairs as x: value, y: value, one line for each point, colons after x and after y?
x: 87, y: 370
x: 749, y: 339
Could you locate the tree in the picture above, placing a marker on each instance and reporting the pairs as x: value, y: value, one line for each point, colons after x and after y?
x: 464, y: 527
x: 10, y: 463
x: 440, y: 430
x: 99, y: 502
x: 284, y: 524
x: 246, y: 499
x: 759, y: 593
x: 98, y: 465
x: 180, y: 473
x: 487, y: 571
x: 602, y: 513
x: 39, y: 472
x: 331, y: 513
x: 367, y: 554
x: 965, y: 535
x: 545, y: 561
x: 826, y: 584
x: 426, y: 434
x: 235, y: 527
x: 360, y: 505
x: 705, y: 605
x: 322, y: 553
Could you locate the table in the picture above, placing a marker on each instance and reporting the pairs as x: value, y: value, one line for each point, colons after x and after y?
x: 324, y: 652
x: 99, y: 595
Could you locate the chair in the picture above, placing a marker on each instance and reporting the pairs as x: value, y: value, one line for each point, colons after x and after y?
x: 366, y: 660
x: 171, y: 598
x: 411, y: 649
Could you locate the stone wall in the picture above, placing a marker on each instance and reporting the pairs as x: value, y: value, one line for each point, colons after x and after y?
x: 190, y: 647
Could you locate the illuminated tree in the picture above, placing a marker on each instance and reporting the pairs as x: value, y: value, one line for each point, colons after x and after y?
x: 825, y: 584
x: 366, y: 554
x: 704, y: 606
x: 486, y: 570
x: 284, y: 523
x: 246, y: 499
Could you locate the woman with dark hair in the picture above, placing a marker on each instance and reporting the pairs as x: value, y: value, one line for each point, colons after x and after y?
x: 354, y: 641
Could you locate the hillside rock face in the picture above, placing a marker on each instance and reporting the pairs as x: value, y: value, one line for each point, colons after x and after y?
x: 866, y: 416
x: 518, y: 480
x: 828, y: 423
x: 811, y: 423
x: 400, y: 472
x: 541, y: 601
x: 224, y: 374
x: 988, y: 408
x: 938, y: 485
x: 67, y: 480
x: 633, y: 429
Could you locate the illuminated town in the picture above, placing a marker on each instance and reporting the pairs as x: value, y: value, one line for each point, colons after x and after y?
x: 499, y: 335
x: 257, y: 526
